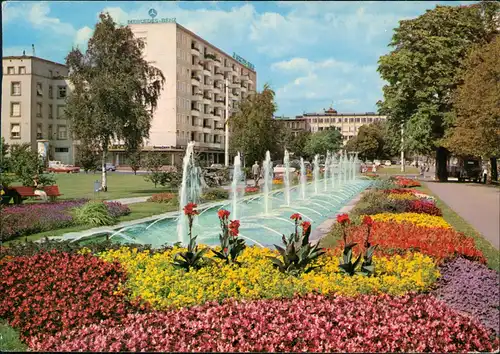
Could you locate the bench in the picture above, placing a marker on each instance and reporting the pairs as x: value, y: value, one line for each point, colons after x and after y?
x: 19, y: 193
x: 52, y: 192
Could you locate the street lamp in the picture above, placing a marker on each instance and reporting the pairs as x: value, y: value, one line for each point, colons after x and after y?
x: 402, y: 147
x: 226, y: 121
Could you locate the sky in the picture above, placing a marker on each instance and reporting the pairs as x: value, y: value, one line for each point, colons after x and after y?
x: 314, y: 55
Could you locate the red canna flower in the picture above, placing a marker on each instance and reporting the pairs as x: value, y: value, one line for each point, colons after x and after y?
x: 296, y: 217
x: 368, y: 221
x: 223, y: 214
x: 234, y: 226
x: 190, y: 209
x: 343, y: 219
x: 305, y: 226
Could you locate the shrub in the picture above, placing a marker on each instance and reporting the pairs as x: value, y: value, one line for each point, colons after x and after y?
x: 53, y: 291
x: 400, y: 238
x: 412, y: 218
x: 377, y: 202
x: 471, y: 288
x: 117, y: 209
x: 412, y: 323
x: 383, y: 184
x: 168, y: 198
x: 93, y: 214
x: 27, y: 219
x: 215, y: 194
x: 157, y: 281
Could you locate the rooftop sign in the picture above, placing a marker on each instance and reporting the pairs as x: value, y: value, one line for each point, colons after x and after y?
x: 152, y: 13
x: 243, y: 61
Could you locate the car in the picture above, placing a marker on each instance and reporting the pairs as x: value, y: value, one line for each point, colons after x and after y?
x: 377, y: 162
x: 368, y: 163
x: 109, y: 167
x: 387, y: 163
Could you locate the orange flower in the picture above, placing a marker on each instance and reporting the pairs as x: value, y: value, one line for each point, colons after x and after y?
x: 305, y: 226
x: 234, y: 226
x: 343, y: 219
x: 223, y: 214
x: 190, y: 209
x: 296, y: 216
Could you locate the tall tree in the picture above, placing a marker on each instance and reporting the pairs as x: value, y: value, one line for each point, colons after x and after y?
x: 323, y: 141
x: 422, y: 72
x: 299, y: 142
x: 369, y: 142
x: 476, y: 125
x: 252, y: 127
x: 114, y: 90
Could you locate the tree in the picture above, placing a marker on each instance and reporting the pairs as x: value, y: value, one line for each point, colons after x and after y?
x: 370, y: 142
x: 323, y: 141
x: 476, y: 126
x: 87, y: 157
x: 252, y: 127
x: 115, y: 91
x: 27, y: 165
x: 422, y: 72
x: 154, y: 163
x: 299, y: 142
x: 134, y: 160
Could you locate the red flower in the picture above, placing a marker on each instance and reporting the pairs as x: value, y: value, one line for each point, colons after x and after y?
x: 225, y: 250
x: 305, y: 226
x: 234, y: 226
x: 296, y: 216
x: 190, y: 209
x: 223, y: 214
x: 368, y: 221
x: 343, y: 219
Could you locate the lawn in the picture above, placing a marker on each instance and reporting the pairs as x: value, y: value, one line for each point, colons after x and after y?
x: 9, y: 339
x: 396, y: 170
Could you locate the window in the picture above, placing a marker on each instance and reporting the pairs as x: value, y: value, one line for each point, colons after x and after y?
x: 15, y: 89
x: 39, y: 131
x: 51, y: 92
x: 50, y: 111
x: 38, y: 109
x: 61, y: 149
x: 22, y: 70
x: 39, y: 90
x: 15, y: 109
x: 15, y: 131
x: 51, y: 73
x: 10, y: 70
x: 51, y: 132
x: 61, y: 91
x: 62, y: 133
x: 60, y: 112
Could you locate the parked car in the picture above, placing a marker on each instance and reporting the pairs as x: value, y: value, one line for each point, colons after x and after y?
x: 377, y: 162
x: 109, y: 167
x: 387, y: 163
x: 59, y: 167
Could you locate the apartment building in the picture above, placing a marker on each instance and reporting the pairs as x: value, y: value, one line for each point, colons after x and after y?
x: 296, y: 125
x: 34, y: 91
x: 192, y: 104
x: 347, y: 123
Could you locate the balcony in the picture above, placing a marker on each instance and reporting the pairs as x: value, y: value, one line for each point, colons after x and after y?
x: 217, y: 62
x: 243, y: 88
x: 207, y: 72
x: 234, y: 84
x: 207, y: 99
x: 209, y: 86
x: 195, y: 112
x: 217, y: 89
x: 219, y: 103
x: 197, y: 96
x: 195, y: 80
x: 219, y: 75
x: 210, y: 57
x: 233, y: 71
x: 195, y: 50
x: 227, y: 69
x: 219, y: 126
x: 245, y: 77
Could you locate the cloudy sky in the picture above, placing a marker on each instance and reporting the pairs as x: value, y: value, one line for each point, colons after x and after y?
x: 313, y: 54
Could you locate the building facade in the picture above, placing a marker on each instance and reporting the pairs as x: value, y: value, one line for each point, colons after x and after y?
x: 347, y: 124
x: 34, y: 92
x: 191, y: 106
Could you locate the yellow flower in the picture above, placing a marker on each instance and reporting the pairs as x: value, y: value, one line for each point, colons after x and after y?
x: 414, y: 218
x: 154, y: 278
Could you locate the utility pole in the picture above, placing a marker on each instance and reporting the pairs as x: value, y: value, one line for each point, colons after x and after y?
x: 402, y: 147
x: 226, y: 140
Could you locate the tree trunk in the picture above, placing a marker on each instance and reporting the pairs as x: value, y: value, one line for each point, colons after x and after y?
x: 441, y: 164
x: 494, y: 169
x: 104, y: 181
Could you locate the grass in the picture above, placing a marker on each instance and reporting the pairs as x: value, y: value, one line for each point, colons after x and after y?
x: 396, y: 170
x: 9, y: 339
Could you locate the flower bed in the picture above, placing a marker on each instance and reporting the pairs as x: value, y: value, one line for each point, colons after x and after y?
x: 403, y: 182
x: 28, y: 219
x: 157, y: 281
x: 170, y: 198
x: 412, y: 218
x: 413, y: 323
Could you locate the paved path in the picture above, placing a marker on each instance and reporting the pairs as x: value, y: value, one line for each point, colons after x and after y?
x: 477, y: 204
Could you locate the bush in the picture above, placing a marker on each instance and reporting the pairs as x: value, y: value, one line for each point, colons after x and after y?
x: 117, y: 209
x: 376, y: 202
x: 215, y: 194
x: 53, y: 291
x: 412, y: 323
x: 93, y: 214
x: 167, y: 198
x: 27, y: 219
x: 383, y: 184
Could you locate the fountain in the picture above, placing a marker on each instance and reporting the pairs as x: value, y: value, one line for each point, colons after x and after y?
x: 190, y: 190
x: 268, y: 181
x: 316, y: 173
x: 333, y: 169
x: 236, y: 186
x: 326, y: 171
x: 286, y: 177
x: 303, y: 179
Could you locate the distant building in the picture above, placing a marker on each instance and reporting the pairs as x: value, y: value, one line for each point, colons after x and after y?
x: 34, y: 91
x: 296, y: 125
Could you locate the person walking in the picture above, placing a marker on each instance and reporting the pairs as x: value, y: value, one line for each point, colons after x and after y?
x: 256, y: 173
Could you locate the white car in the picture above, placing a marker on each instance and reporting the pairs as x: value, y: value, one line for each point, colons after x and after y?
x: 387, y: 163
x: 377, y: 162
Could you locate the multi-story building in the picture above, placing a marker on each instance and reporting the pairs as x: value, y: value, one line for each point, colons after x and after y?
x: 34, y: 91
x: 347, y: 123
x: 191, y: 106
x: 296, y: 125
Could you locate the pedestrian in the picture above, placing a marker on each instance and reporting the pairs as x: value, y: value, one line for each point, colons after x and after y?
x: 38, y: 190
x: 256, y: 173
x: 485, y: 174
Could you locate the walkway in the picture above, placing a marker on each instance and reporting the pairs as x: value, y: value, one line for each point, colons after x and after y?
x: 477, y: 204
